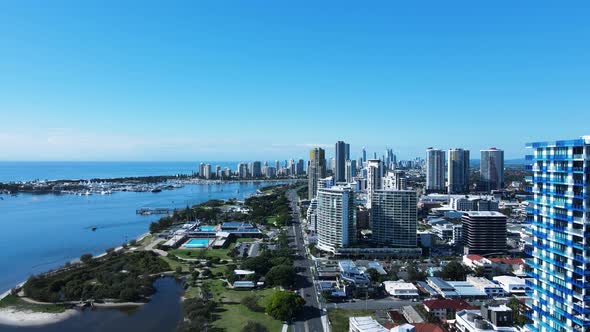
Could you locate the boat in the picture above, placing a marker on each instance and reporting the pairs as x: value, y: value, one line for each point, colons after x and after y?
x: 94, y: 228
x: 156, y: 190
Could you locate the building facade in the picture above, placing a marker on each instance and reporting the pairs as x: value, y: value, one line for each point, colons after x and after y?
x: 559, y: 215
x: 484, y: 232
x: 350, y: 170
x: 458, y: 171
x: 394, y: 217
x: 491, y: 169
x: 435, y: 170
x: 336, y: 218
x: 374, y: 178
x: 316, y: 170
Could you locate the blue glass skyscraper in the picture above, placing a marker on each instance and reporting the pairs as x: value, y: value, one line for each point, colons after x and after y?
x: 560, y: 232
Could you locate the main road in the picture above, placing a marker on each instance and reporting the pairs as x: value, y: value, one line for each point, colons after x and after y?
x: 309, y: 320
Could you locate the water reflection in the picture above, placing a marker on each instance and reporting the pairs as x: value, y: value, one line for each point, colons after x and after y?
x: 161, y: 314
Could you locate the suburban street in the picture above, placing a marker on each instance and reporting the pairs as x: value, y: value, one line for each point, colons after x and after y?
x: 309, y: 320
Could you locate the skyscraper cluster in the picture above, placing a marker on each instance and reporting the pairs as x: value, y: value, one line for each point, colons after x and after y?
x: 334, y: 206
x: 456, y: 179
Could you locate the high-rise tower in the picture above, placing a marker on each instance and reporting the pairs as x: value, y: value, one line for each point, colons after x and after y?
x: 316, y: 170
x: 435, y: 170
x: 560, y: 228
x: 491, y: 169
x: 458, y: 171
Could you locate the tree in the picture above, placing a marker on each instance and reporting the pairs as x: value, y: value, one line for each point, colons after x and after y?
x: 373, y: 274
x: 258, y: 264
x: 86, y: 258
x: 284, y: 305
x: 454, y: 271
x: 281, y: 275
x: 415, y: 275
x: 251, y: 302
x: 252, y: 326
x: 517, y: 311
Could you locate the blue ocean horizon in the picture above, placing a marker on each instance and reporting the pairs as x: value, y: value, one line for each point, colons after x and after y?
x: 17, y: 171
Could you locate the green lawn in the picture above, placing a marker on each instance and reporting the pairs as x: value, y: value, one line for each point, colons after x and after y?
x: 202, y: 253
x: 173, y: 264
x: 14, y: 302
x: 339, y: 318
x: 233, y: 315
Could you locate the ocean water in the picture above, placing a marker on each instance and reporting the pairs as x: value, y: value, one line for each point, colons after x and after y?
x: 41, y: 232
x: 56, y: 170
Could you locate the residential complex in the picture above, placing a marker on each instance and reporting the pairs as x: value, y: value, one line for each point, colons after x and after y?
x: 336, y: 218
x: 559, y: 216
x: 458, y: 171
x: 316, y: 170
x: 394, y: 217
x: 435, y: 170
x: 491, y: 170
x: 484, y: 232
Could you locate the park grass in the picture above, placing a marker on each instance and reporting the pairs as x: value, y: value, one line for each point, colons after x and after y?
x: 173, y: 264
x: 233, y: 315
x: 339, y: 318
x: 12, y: 301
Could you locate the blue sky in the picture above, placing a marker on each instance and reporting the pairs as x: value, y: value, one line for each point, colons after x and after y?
x: 210, y: 80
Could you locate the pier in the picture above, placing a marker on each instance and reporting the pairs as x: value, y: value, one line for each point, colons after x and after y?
x: 150, y: 211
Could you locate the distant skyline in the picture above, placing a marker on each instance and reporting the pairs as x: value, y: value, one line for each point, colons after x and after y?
x: 190, y: 81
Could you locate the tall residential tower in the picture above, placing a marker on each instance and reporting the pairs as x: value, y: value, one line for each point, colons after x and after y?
x: 458, y: 165
x: 435, y: 170
x: 491, y: 169
x: 316, y: 170
x: 560, y: 229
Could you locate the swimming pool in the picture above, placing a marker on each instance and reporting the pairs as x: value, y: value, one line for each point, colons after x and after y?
x: 206, y: 228
x: 197, y: 243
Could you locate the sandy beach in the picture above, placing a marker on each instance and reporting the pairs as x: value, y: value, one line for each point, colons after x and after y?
x: 15, y: 317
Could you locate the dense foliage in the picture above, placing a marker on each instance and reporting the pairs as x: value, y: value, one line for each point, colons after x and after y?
x: 198, y: 313
x: 284, y: 305
x: 454, y: 270
x: 118, y: 276
x: 281, y: 275
x: 274, y: 204
x: 207, y: 211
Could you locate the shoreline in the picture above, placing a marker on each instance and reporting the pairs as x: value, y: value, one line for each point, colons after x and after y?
x: 88, y: 187
x: 16, y: 317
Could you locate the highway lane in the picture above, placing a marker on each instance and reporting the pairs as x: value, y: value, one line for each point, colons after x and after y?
x: 309, y: 320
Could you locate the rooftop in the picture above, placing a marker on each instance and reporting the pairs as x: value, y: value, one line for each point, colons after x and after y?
x: 484, y: 214
x: 366, y: 324
x: 448, y: 304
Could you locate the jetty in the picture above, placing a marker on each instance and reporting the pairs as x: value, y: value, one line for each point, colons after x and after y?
x: 149, y: 211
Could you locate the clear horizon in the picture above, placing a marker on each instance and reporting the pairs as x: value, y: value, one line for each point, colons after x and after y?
x: 110, y: 81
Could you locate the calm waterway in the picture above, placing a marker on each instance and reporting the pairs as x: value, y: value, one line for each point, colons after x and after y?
x: 161, y: 314
x: 40, y: 232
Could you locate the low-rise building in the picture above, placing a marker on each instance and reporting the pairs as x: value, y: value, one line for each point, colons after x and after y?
x: 401, y: 289
x: 364, y: 324
x: 455, y: 289
x: 490, y: 288
x: 513, y: 285
x: 446, y: 308
x: 492, y: 319
x: 349, y: 272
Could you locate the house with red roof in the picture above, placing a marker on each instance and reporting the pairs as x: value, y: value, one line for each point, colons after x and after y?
x: 443, y: 308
